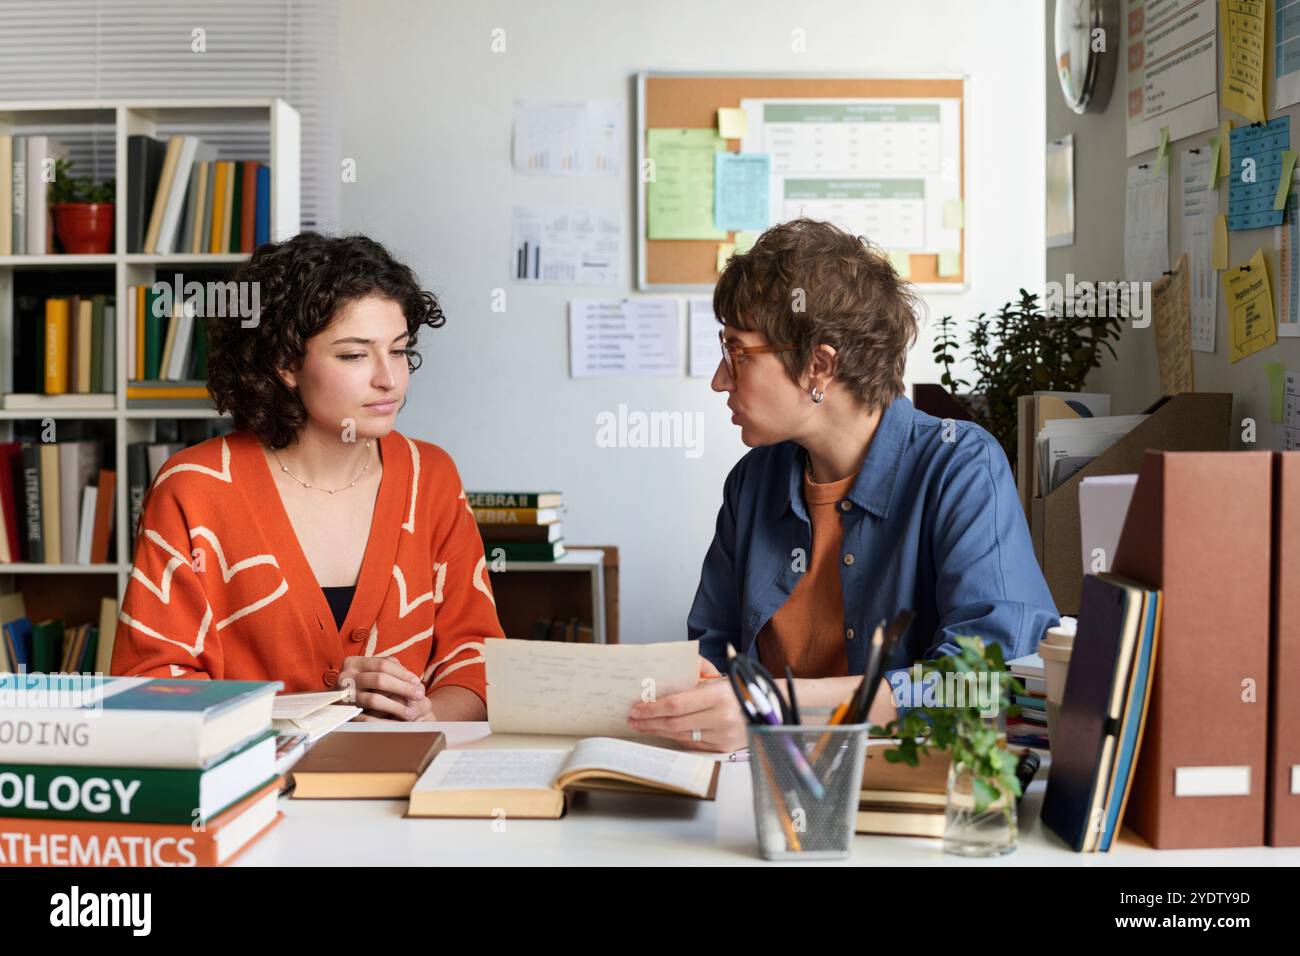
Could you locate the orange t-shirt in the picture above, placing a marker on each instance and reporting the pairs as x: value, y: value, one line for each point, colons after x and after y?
x: 807, y: 632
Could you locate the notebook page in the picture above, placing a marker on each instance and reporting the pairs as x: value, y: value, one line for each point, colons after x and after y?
x: 492, y: 770
x: 685, y: 771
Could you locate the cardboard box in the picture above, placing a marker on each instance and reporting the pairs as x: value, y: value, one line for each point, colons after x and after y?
x: 1192, y: 421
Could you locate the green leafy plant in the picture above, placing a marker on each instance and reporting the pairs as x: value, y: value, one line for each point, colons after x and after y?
x: 66, y: 188
x: 1023, y: 349
x: 957, y: 725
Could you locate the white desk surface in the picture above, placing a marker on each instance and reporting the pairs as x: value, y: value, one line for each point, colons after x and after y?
x: 608, y: 829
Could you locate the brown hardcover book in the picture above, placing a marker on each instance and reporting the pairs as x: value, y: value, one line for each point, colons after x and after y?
x: 355, y: 765
x: 104, y: 511
x: 1199, y: 528
x: 1284, y: 703
x: 930, y: 775
x: 248, y: 206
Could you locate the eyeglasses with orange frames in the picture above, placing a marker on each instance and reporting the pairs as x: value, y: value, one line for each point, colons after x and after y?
x: 730, y: 350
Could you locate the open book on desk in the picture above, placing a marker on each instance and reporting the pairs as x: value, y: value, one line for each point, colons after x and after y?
x: 535, y: 783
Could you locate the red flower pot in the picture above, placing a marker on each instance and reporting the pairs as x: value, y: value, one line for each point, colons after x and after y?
x: 84, y: 227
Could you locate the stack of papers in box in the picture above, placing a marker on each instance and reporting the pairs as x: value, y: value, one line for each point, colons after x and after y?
x: 1065, y: 445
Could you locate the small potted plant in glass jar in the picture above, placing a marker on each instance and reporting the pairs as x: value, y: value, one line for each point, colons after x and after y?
x: 959, y: 705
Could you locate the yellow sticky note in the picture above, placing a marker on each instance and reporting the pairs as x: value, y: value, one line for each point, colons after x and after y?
x: 902, y: 263
x: 1284, y: 181
x: 732, y: 123
x: 950, y: 263
x: 1250, y: 308
x: 1225, y: 151
x: 1215, y: 146
x: 745, y: 241
x: 1220, y: 241
x: 1162, y: 154
x: 725, y: 252
x: 954, y: 214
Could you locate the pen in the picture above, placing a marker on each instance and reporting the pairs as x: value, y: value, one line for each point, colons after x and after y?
x: 789, y: 687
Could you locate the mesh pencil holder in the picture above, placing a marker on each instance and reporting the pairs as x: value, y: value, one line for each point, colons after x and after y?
x: 806, y: 783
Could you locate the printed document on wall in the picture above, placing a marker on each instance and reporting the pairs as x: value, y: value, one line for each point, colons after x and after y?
x: 1172, y: 60
x: 884, y: 169
x: 573, y: 245
x: 625, y: 337
x: 1146, y: 222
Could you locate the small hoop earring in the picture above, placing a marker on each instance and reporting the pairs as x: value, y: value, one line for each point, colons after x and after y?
x: 817, y: 394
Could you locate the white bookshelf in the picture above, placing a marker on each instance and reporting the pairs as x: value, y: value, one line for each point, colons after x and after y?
x: 269, y: 123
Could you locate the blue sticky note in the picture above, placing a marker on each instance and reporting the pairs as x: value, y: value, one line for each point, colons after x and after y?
x: 741, y: 183
x: 1256, y: 150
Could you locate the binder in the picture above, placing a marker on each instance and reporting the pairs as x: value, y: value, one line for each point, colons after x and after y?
x: 1199, y: 529
x: 1284, y: 710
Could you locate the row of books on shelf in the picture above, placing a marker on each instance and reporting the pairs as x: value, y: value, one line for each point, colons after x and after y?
x: 25, y: 224
x: 63, y: 349
x: 167, y: 352
x: 181, y: 198
x: 50, y: 646
x: 519, y: 525
x: 57, y: 502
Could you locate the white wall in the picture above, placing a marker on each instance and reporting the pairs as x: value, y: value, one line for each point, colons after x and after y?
x: 427, y: 117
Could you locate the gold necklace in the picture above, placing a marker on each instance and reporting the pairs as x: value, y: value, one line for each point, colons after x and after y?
x: 284, y: 468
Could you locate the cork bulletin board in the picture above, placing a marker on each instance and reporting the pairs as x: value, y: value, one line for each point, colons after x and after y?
x: 691, y: 101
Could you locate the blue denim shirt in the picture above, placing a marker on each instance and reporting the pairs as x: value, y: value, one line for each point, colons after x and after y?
x: 933, y: 525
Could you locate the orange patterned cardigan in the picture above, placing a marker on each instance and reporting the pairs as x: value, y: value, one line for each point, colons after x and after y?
x: 221, y: 589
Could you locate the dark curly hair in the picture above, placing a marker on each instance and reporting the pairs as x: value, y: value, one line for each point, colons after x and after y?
x: 811, y: 283
x: 303, y: 282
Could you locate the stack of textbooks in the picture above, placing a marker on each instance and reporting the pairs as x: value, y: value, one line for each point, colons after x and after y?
x: 62, y: 353
x: 166, y: 351
x: 48, y: 646
x: 182, y: 199
x: 125, y: 771
x: 26, y: 227
x: 1029, y: 729
x: 519, y: 525
x: 900, y: 800
x: 56, y: 502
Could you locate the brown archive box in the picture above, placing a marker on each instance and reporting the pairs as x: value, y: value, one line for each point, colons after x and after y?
x: 1192, y: 421
x: 1284, y: 702
x: 1199, y: 528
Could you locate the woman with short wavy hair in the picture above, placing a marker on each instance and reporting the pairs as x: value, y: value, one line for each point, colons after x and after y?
x: 851, y: 505
x: 315, y: 545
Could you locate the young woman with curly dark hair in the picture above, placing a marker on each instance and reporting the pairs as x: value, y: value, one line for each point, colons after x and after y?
x: 315, y: 544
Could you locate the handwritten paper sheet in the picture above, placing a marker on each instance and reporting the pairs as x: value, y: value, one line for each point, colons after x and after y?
x: 542, y: 687
x: 741, y: 190
x: 1173, y: 322
x: 679, y: 199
